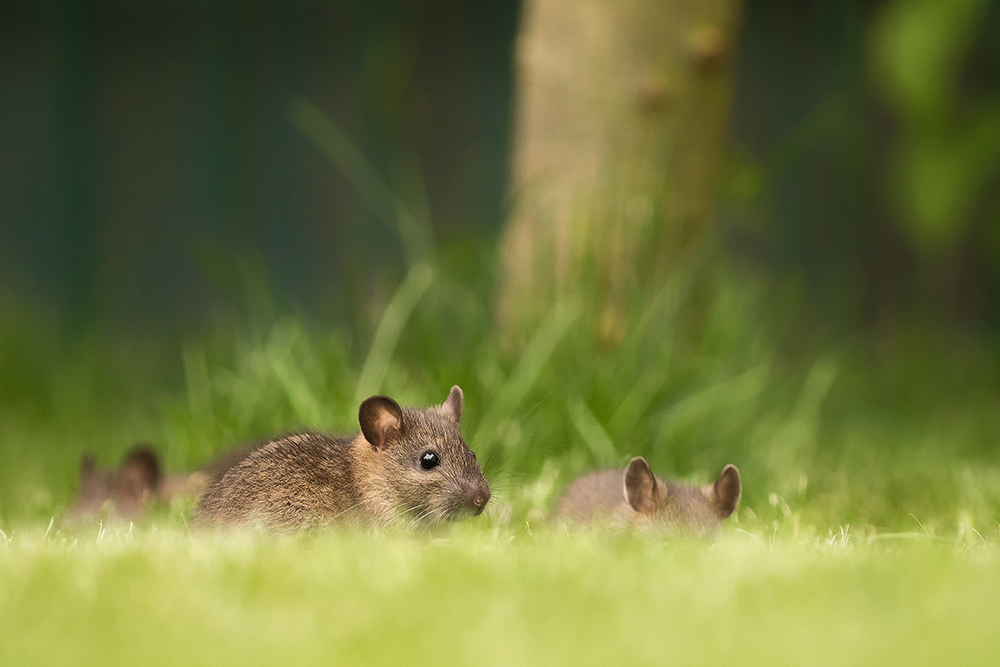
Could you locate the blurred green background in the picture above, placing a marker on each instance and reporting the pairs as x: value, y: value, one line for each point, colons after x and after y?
x: 223, y: 220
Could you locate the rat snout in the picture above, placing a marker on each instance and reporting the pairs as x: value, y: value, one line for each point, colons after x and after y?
x: 480, y: 498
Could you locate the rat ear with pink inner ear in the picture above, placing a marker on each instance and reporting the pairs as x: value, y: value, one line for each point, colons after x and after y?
x: 381, y: 421
x: 640, y: 486
x: 452, y: 407
x: 725, y: 494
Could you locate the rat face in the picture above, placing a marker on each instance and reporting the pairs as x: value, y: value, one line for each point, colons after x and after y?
x: 421, y: 459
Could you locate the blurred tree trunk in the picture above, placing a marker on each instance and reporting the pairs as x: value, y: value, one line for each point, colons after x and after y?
x: 620, y: 113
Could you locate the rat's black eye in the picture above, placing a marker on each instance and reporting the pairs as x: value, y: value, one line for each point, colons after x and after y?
x: 429, y: 460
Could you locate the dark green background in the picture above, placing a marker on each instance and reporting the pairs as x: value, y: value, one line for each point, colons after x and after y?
x: 148, y: 165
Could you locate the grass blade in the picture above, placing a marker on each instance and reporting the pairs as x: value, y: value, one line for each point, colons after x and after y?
x: 371, y: 187
x: 390, y: 328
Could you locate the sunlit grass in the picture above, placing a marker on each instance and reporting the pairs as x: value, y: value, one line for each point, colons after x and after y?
x: 483, y: 594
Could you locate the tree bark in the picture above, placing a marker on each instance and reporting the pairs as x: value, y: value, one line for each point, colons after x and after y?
x: 620, y: 113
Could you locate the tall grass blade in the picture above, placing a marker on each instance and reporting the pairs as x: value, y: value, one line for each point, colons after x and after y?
x: 291, y: 376
x: 414, y: 236
x: 593, y: 434
x: 390, y: 328
x: 511, y: 394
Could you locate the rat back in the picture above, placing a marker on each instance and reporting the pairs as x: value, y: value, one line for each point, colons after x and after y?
x: 290, y: 481
x: 596, y: 496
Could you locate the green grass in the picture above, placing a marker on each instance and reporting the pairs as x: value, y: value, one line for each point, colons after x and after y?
x: 493, y: 596
x: 867, y: 533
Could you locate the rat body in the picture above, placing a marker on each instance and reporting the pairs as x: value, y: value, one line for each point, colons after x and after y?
x: 638, y: 497
x: 407, y: 463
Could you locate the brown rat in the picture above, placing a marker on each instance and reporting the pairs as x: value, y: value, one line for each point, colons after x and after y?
x: 638, y: 497
x: 407, y: 463
x: 139, y: 483
x: 127, y: 490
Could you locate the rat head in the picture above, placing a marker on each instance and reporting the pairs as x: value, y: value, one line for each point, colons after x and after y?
x: 679, y: 505
x: 419, y: 461
x: 127, y: 489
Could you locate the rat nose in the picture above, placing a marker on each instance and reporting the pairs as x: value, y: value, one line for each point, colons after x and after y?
x: 480, y: 499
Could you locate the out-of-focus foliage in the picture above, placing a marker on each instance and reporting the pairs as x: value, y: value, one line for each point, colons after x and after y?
x: 149, y: 159
x: 865, y: 154
x: 946, y: 149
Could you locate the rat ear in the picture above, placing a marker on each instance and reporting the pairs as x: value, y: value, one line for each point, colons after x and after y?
x: 452, y: 407
x: 94, y: 482
x: 725, y: 494
x: 140, y: 472
x: 381, y: 420
x: 640, y: 485
x: 87, y: 465
x: 95, y: 489
x: 136, y: 481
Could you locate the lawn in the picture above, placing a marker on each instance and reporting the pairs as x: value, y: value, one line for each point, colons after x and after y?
x: 484, y: 594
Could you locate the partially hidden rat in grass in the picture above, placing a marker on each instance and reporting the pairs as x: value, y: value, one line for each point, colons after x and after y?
x: 138, y: 485
x: 639, y: 498
x: 407, y: 464
x: 126, y: 492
